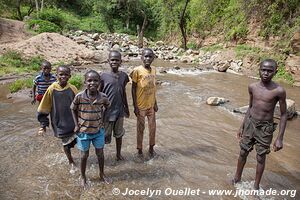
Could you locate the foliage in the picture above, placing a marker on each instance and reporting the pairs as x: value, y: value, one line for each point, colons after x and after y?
x: 76, y: 80
x: 41, y: 26
x: 15, y: 62
x: 244, y: 50
x: 212, y: 48
x: 20, y: 84
x: 283, y: 74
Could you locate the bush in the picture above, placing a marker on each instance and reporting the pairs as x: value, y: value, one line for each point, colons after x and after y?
x: 15, y: 62
x: 41, y: 26
x: 283, y: 74
x: 20, y: 84
x: 52, y: 15
x: 76, y: 80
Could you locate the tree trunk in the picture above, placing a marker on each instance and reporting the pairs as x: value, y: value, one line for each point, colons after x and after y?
x: 37, y: 8
x: 182, y: 26
x: 42, y: 5
x: 141, y: 32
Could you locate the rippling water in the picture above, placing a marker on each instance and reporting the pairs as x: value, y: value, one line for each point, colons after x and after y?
x: 196, y: 148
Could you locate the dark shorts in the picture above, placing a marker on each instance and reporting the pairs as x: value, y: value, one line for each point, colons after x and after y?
x: 115, y: 127
x: 258, y: 133
x: 69, y: 141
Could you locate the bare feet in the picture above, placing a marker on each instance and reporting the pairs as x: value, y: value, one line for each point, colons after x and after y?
x: 140, y: 154
x: 73, y: 168
x: 83, y: 183
x: 256, y: 187
x: 105, y: 179
x: 119, y: 158
x: 152, y: 153
x: 235, y: 180
x: 41, y: 131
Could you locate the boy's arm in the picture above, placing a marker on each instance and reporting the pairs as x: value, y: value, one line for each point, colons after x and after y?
x: 74, y: 111
x: 133, y: 93
x: 33, y: 93
x: 125, y: 98
x: 278, y: 144
x: 155, y: 106
x: 240, y: 131
x: 75, y: 118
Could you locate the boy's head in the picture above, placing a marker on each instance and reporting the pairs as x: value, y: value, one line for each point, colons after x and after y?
x: 114, y: 60
x: 46, y: 67
x: 63, y: 74
x: 147, y: 57
x: 267, y: 69
x: 92, y: 80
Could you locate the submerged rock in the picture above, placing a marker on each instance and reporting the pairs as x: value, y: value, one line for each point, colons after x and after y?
x: 290, y: 107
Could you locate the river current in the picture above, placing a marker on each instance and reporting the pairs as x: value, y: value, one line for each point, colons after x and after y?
x: 196, y: 147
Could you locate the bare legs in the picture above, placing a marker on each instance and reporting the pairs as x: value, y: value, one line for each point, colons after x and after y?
x: 67, y: 150
x: 240, y: 165
x: 100, y: 157
x: 261, y: 161
x: 118, y: 148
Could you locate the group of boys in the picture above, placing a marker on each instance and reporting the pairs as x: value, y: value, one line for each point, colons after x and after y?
x: 99, y: 110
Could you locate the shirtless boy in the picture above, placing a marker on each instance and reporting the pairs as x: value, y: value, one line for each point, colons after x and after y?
x: 258, y: 126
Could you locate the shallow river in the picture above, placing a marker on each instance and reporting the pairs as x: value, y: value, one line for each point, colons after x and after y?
x: 196, y: 146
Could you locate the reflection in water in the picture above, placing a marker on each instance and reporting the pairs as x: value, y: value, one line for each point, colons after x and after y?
x: 196, y: 148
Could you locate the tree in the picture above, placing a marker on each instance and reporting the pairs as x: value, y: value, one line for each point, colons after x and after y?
x: 182, y: 25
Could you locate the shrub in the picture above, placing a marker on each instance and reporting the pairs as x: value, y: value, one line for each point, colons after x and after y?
x: 15, y: 62
x: 76, y: 80
x: 20, y: 84
x: 52, y: 15
x: 41, y: 26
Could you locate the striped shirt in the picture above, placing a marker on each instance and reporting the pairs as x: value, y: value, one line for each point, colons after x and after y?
x: 90, y: 113
x: 42, y: 84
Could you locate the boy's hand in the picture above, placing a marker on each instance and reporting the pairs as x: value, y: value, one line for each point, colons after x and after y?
x: 33, y: 101
x: 136, y: 111
x: 76, y: 129
x: 277, y: 145
x: 127, y: 113
x: 239, y: 134
x: 155, y: 107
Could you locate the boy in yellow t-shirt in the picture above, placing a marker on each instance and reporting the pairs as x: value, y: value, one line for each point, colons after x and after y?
x: 144, y: 100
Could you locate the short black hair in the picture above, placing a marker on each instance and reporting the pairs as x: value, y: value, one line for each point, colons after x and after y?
x: 45, y: 63
x: 147, y: 49
x: 91, y: 72
x: 114, y: 51
x: 271, y: 61
x: 64, y: 67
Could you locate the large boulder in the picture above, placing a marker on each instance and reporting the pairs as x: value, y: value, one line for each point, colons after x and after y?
x: 290, y: 104
x: 215, y: 101
x: 295, y: 42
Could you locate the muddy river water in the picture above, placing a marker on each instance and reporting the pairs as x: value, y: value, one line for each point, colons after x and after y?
x: 196, y: 146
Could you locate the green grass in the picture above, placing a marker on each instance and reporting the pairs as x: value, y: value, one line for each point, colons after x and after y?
x: 212, y: 48
x: 13, y: 62
x: 20, y: 84
x: 283, y: 75
x: 244, y: 50
x: 77, y: 81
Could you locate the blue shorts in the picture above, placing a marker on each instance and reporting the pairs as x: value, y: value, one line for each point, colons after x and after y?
x: 84, y: 140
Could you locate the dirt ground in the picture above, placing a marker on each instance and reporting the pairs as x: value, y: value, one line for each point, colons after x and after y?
x: 12, y: 31
x: 53, y: 47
